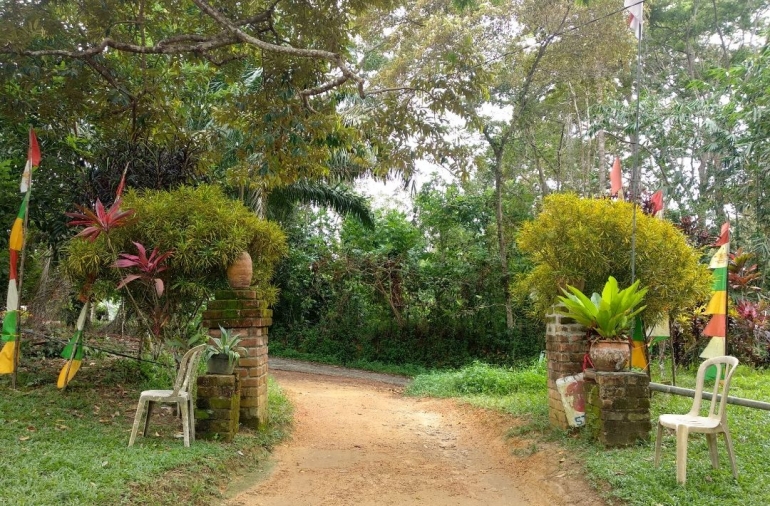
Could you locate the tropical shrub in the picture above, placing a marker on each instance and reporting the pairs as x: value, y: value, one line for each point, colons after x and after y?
x: 204, y: 231
x: 581, y: 242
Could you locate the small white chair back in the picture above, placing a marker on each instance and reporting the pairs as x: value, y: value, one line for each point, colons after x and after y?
x: 725, y: 368
x: 187, y: 368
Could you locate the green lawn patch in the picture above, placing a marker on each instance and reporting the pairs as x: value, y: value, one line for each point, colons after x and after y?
x: 71, y: 447
x: 628, y: 476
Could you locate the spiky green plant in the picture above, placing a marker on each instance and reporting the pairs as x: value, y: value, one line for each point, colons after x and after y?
x: 608, y: 314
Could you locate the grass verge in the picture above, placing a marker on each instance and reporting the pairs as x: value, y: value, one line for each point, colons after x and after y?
x: 628, y: 475
x: 71, y: 447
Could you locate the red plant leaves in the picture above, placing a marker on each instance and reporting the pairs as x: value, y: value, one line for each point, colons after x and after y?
x: 99, y: 220
x: 149, y: 267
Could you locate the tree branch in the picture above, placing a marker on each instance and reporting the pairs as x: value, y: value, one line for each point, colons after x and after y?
x: 230, y: 35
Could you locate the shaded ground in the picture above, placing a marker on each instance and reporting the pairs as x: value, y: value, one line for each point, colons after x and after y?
x: 360, y: 442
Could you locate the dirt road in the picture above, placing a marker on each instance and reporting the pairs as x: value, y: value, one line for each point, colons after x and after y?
x: 360, y: 442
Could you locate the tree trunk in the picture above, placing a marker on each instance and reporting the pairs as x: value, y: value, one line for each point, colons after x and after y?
x: 505, y: 276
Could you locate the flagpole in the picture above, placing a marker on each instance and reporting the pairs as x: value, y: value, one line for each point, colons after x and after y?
x: 25, y: 229
x: 635, y: 154
x: 635, y: 171
x: 727, y: 283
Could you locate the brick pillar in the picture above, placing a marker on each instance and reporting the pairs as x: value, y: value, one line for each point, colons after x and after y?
x: 565, y: 346
x: 618, y: 407
x: 241, y: 312
x: 217, y: 407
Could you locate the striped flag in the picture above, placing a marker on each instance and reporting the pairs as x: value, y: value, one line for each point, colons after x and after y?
x: 717, y: 306
x: 73, y: 352
x: 638, y: 342
x: 635, y: 9
x: 616, y: 182
x: 15, y: 244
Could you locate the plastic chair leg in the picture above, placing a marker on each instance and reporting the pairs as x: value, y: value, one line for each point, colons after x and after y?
x: 137, y: 421
x: 730, y: 452
x: 192, y: 420
x: 682, y: 435
x: 712, y: 441
x: 185, y: 407
x: 658, y: 441
x: 150, y: 405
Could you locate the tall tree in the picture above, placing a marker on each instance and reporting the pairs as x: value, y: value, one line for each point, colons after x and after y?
x: 464, y: 59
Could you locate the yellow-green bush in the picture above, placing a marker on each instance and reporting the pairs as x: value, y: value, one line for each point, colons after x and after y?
x: 206, y: 231
x: 582, y: 242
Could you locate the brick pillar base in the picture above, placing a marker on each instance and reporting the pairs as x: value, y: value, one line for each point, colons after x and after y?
x: 618, y: 407
x: 217, y: 407
x: 240, y: 312
x: 565, y: 346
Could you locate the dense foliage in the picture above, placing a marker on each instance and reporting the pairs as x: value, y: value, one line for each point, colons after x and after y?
x: 204, y: 230
x: 421, y: 290
x: 582, y: 242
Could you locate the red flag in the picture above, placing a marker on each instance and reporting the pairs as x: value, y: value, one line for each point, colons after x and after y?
x: 616, y: 181
x: 657, y: 202
x: 635, y: 10
x: 34, y: 150
x: 717, y: 326
x: 724, y: 234
x: 119, y: 192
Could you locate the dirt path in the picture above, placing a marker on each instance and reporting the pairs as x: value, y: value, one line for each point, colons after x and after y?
x: 360, y: 442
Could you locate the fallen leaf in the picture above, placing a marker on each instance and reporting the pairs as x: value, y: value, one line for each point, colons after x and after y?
x: 31, y: 428
x: 24, y: 438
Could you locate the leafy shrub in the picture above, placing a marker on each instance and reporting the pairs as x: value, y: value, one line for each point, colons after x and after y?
x: 582, y: 242
x: 206, y: 232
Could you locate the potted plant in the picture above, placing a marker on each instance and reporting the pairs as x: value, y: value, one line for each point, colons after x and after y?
x: 607, y: 316
x: 223, y: 352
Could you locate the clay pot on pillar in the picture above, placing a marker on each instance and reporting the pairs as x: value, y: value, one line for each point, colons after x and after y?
x: 240, y: 271
x: 610, y: 356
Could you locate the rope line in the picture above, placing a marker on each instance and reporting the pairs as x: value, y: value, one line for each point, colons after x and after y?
x: 53, y: 339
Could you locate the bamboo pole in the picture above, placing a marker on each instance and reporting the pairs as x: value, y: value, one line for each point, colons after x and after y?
x: 687, y: 392
x: 25, y: 230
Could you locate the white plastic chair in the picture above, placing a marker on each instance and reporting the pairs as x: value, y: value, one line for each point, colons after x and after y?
x: 180, y: 396
x: 711, y: 425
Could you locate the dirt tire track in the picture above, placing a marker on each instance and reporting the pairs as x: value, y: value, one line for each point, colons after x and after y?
x: 360, y: 442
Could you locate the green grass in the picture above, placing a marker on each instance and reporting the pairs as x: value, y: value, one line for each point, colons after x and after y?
x: 517, y: 391
x: 71, y: 447
x: 628, y: 476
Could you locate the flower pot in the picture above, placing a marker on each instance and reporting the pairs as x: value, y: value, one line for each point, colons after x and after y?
x: 239, y: 272
x: 220, y: 364
x: 609, y: 356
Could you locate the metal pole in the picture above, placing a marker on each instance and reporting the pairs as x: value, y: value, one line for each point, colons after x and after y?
x: 686, y: 392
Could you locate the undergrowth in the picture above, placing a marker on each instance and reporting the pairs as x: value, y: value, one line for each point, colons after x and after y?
x: 515, y: 390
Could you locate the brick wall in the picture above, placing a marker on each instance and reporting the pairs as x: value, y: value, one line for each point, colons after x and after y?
x: 618, y: 407
x: 241, y: 312
x: 217, y: 407
x: 565, y: 346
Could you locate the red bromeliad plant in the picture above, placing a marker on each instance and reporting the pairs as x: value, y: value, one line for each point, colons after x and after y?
x: 743, y: 274
x: 99, y: 220
x: 149, y: 269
